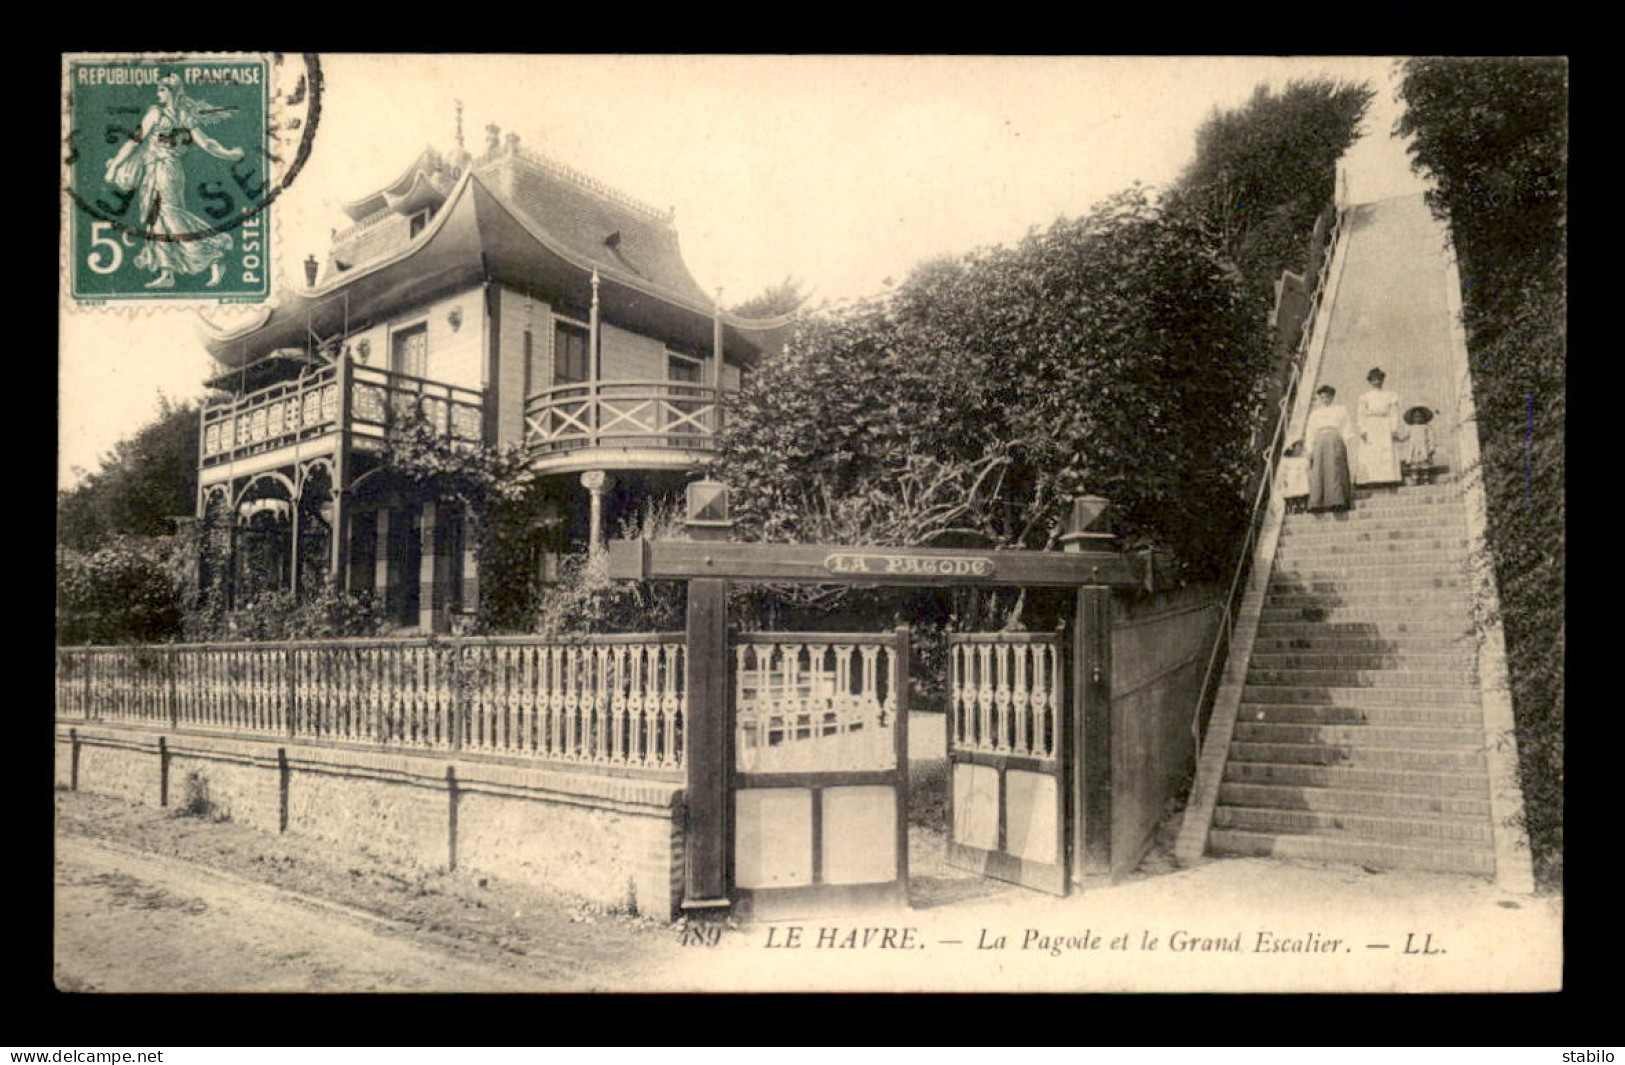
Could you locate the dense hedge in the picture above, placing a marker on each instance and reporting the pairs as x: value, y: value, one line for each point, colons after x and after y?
x: 1115, y: 353
x: 1493, y: 134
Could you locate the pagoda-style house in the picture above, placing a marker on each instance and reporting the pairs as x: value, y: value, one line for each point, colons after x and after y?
x: 506, y: 299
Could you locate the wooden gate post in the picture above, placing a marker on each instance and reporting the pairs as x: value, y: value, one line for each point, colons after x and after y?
x: 1091, y: 709
x: 708, y: 756
x: 708, y: 731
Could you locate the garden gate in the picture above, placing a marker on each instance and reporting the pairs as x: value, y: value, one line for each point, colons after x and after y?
x: 1008, y: 744
x: 797, y: 758
x: 820, y: 781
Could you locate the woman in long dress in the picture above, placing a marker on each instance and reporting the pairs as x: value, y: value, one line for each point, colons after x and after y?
x: 153, y: 163
x: 1328, y: 431
x: 1377, y: 412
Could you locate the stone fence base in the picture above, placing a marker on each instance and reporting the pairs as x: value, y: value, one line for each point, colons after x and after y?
x: 618, y: 841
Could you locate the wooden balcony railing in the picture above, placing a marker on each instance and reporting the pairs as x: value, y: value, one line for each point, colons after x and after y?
x: 621, y: 414
x: 289, y: 412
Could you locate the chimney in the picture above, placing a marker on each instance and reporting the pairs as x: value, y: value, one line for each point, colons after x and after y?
x: 493, y: 138
x: 513, y: 144
x: 310, y: 271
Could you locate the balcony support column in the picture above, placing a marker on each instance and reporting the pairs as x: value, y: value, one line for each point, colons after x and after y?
x: 716, y: 364
x: 595, y: 482
x: 434, y: 572
x: 594, y: 371
x: 294, y: 525
x: 339, y: 564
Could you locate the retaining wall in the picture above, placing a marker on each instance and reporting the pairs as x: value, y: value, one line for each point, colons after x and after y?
x: 617, y: 841
x: 1160, y: 648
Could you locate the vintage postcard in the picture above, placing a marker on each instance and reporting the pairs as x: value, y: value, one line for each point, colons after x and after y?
x: 764, y: 523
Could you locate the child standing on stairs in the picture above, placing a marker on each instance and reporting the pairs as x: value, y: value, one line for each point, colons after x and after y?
x: 1417, y: 462
x: 1293, y: 484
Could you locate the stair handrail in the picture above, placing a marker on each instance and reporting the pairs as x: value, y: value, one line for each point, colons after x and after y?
x: 1271, y: 458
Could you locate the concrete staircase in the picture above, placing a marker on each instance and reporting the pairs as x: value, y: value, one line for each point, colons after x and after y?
x: 1359, y: 736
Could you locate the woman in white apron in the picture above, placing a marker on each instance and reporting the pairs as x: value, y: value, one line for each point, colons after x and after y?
x: 1377, y: 415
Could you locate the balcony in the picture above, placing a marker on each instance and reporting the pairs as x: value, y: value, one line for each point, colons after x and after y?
x: 621, y: 425
x: 363, y: 399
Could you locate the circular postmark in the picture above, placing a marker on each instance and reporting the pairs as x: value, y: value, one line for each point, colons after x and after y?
x: 172, y: 163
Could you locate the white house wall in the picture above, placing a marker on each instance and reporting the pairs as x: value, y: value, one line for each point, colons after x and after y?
x: 515, y: 381
x: 627, y: 356
x: 454, y: 353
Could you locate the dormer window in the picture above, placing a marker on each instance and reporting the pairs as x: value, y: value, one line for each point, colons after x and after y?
x: 419, y: 220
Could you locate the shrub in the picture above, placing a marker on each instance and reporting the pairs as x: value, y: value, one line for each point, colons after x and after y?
x: 126, y: 591
x: 322, y: 613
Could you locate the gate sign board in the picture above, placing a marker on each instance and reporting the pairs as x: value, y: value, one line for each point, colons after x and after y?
x: 813, y: 563
x: 852, y: 564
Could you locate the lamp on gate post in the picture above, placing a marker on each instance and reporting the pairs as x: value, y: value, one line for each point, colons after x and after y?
x: 705, y: 510
x: 1087, y: 524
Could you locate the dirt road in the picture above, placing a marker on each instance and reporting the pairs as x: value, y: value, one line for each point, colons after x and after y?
x: 150, y: 902
x: 147, y: 901
x: 130, y: 922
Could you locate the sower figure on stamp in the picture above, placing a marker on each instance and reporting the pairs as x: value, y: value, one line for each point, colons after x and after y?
x: 153, y: 162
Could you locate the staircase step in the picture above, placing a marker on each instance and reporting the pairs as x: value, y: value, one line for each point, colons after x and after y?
x: 1373, y: 853
x: 1405, y: 660
x: 1363, y: 678
x: 1400, y: 535
x: 1344, y: 587
x: 1441, y: 550
x: 1446, y: 717
x: 1406, y: 644
x: 1359, y: 778
x: 1395, y: 569
x: 1430, y: 616
x: 1453, y: 629
x: 1292, y: 797
x: 1438, y: 759
x: 1415, y: 831
x: 1407, y: 495
x: 1358, y: 735
x: 1299, y: 695
x: 1356, y: 529
x: 1431, y: 601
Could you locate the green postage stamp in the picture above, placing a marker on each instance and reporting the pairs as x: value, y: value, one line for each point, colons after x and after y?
x: 171, y: 166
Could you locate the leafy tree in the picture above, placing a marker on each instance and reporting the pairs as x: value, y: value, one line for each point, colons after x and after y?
x: 773, y: 301
x: 1493, y: 133
x: 141, y: 484
x: 1263, y: 171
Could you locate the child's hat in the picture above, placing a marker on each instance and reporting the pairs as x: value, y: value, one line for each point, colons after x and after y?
x: 1418, y: 416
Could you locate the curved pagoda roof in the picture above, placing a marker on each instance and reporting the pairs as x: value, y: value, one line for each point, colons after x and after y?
x: 512, y: 217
